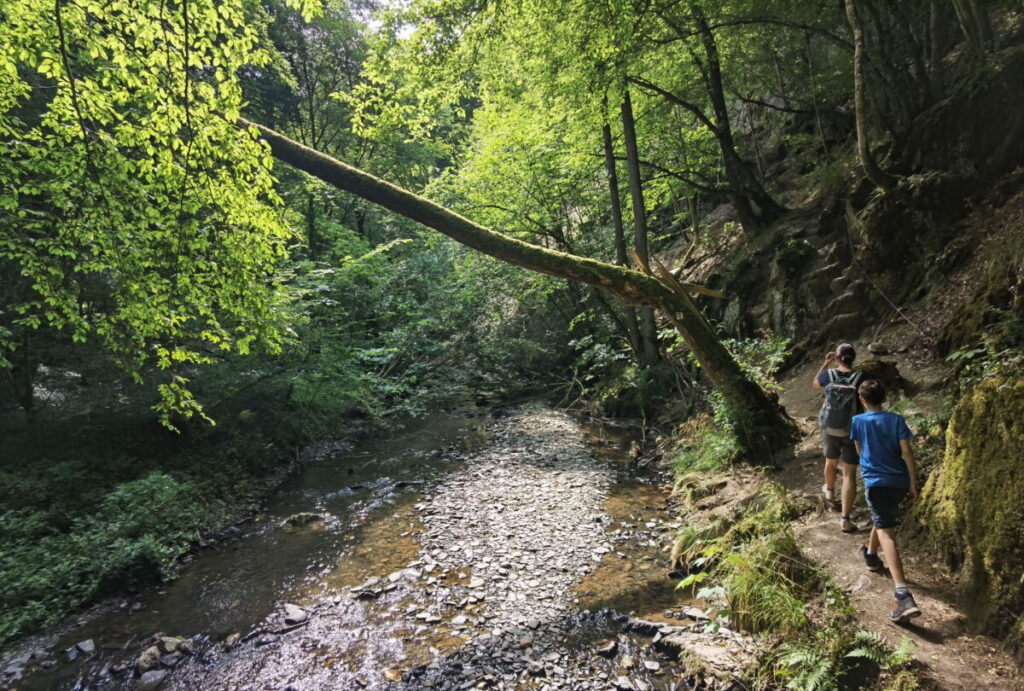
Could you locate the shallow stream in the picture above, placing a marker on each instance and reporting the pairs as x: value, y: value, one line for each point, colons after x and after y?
x: 378, y: 512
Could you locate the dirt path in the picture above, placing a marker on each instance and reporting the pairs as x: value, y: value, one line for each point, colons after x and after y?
x: 953, y: 657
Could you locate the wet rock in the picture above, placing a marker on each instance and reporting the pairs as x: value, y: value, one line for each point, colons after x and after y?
x: 150, y: 681
x: 170, y: 644
x: 293, y: 614
x: 303, y: 518
x: 86, y: 647
x: 536, y: 669
x: 148, y: 660
x: 609, y: 648
x: 171, y: 659
x: 652, y: 665
x: 231, y: 639
x: 627, y: 662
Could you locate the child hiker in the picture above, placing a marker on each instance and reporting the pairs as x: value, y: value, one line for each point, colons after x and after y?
x: 839, y: 380
x: 887, y: 466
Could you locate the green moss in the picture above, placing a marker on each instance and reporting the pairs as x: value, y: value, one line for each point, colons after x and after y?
x: 972, y: 506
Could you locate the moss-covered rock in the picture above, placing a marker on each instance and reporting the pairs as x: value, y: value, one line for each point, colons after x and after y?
x: 972, y: 506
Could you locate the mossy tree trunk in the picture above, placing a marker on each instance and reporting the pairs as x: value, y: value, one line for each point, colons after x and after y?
x: 765, y: 426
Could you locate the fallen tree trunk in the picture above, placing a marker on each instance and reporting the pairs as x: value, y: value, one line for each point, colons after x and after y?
x: 762, y: 424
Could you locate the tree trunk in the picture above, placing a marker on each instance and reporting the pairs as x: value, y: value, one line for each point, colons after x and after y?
x: 648, y: 328
x: 745, y: 179
x: 878, y: 176
x: 632, y: 328
x: 766, y: 427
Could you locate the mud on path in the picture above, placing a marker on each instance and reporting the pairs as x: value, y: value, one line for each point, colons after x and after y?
x: 515, y: 565
x: 953, y: 657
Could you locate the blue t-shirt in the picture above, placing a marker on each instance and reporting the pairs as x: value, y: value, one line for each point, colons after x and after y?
x: 879, y: 433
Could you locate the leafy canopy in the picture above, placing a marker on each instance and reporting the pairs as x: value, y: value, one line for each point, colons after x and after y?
x: 132, y: 209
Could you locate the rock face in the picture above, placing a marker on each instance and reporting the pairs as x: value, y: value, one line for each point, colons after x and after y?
x: 972, y: 507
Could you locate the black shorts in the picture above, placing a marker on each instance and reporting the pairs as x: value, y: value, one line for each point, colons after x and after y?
x: 884, y: 504
x: 839, y: 447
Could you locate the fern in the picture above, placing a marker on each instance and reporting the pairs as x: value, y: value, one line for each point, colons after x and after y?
x: 811, y: 671
x: 871, y: 645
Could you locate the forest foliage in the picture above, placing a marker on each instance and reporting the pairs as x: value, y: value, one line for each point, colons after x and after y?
x: 156, y: 261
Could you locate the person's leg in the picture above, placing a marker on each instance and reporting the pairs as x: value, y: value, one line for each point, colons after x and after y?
x: 892, y: 554
x: 849, y: 487
x: 873, y: 541
x: 831, y: 470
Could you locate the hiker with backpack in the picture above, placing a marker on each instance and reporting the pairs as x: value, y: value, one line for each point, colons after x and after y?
x: 839, y: 381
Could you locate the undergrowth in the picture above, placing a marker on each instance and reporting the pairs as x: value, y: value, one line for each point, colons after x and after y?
x: 715, y: 441
x: 750, y: 570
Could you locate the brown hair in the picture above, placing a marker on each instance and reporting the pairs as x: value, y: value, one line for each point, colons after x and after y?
x: 872, y: 392
x: 846, y: 354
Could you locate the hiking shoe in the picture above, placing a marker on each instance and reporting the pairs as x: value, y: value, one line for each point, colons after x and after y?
x: 904, y: 608
x: 848, y: 526
x: 831, y: 495
x: 870, y: 560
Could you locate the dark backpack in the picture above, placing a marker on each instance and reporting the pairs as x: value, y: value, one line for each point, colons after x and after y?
x: 841, y: 403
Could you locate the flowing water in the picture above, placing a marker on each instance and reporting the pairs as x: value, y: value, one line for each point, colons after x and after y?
x: 357, y: 515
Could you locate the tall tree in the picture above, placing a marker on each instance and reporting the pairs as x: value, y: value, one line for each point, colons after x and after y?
x: 648, y: 328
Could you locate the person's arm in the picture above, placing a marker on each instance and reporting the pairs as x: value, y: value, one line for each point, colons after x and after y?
x: 829, y: 359
x: 908, y: 457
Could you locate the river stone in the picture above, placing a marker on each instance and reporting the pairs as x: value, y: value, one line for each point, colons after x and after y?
x: 293, y: 614
x: 149, y: 659
x: 150, y: 681
x: 170, y: 644
x: 608, y: 648
x: 87, y: 646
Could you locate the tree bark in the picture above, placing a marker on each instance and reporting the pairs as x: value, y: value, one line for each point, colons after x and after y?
x: 879, y: 177
x: 765, y: 426
x: 632, y: 327
x: 648, y: 327
x: 768, y: 208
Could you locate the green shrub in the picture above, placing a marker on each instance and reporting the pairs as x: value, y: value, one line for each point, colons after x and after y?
x: 135, y: 535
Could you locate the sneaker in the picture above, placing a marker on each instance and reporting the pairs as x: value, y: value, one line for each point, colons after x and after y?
x: 904, y: 608
x: 870, y: 560
x: 848, y: 526
x: 831, y: 495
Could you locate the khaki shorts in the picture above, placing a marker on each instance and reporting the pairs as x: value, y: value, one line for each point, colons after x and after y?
x: 841, y: 448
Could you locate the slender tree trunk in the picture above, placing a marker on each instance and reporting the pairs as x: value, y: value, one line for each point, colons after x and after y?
x: 879, y: 177
x: 632, y: 327
x: 814, y: 92
x: 768, y: 208
x: 648, y: 328
x: 312, y: 239
x: 766, y: 426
